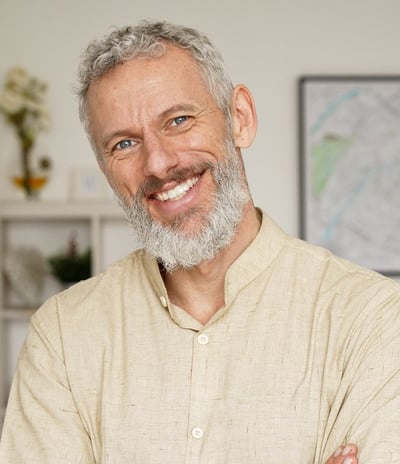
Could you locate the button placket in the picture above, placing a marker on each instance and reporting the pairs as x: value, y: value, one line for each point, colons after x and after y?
x: 200, y: 405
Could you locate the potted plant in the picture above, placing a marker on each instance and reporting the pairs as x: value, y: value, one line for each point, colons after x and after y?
x: 71, y: 266
x: 22, y: 102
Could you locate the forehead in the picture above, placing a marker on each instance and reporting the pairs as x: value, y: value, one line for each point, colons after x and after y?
x: 175, y: 69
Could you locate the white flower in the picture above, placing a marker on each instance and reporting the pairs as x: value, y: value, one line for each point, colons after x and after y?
x: 23, y: 104
x: 11, y: 102
x: 18, y: 78
x: 32, y: 106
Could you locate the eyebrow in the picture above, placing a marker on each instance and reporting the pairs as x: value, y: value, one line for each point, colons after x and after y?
x: 108, y: 137
x: 178, y: 108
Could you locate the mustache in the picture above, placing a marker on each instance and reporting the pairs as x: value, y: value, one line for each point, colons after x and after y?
x: 155, y: 184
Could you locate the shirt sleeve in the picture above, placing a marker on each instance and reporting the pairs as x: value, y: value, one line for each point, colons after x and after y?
x: 366, y: 406
x: 42, y: 424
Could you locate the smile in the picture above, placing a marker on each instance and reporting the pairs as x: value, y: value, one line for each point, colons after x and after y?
x: 178, y: 191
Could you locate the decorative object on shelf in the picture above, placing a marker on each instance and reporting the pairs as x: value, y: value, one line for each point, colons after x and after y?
x: 37, y: 179
x: 89, y: 184
x: 22, y: 102
x: 71, y: 266
x: 25, y: 268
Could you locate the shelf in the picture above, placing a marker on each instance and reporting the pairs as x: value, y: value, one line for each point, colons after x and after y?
x: 15, y: 314
x: 47, y: 226
x: 57, y: 209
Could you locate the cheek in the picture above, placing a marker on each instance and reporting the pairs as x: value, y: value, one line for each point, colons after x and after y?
x: 207, y: 141
x: 123, y: 176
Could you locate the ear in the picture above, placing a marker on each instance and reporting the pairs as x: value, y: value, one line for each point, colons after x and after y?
x: 244, y: 116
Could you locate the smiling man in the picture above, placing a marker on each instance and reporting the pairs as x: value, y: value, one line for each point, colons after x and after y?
x: 222, y: 340
x: 167, y: 150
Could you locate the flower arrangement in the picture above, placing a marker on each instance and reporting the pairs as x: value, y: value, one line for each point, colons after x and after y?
x: 22, y: 102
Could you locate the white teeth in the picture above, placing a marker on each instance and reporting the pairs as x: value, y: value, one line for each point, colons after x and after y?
x: 177, y: 192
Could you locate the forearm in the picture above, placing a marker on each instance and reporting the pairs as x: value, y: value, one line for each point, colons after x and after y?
x: 42, y: 424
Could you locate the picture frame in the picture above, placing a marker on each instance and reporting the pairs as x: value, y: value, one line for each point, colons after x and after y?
x: 89, y: 184
x: 349, y: 130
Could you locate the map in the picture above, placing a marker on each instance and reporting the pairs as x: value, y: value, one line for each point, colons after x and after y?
x: 351, y: 168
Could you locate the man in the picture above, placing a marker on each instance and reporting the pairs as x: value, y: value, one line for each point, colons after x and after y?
x: 223, y: 340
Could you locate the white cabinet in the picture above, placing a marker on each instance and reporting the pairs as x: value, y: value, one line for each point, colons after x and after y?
x: 47, y: 227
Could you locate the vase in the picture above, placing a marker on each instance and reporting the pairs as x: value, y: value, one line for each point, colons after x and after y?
x: 30, y: 181
x: 31, y: 185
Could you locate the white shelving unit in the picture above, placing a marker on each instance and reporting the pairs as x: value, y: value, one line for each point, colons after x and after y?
x: 47, y: 226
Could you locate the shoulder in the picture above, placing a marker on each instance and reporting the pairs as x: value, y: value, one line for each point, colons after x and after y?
x: 337, y: 274
x: 356, y: 301
x: 333, y: 286
x: 94, y: 297
x: 305, y: 268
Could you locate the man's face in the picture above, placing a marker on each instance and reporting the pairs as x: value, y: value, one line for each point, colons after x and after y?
x: 158, y: 130
x: 166, y: 150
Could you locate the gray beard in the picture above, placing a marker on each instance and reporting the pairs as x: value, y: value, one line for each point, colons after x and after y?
x: 169, y: 244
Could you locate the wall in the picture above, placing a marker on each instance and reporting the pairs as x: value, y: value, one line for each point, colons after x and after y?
x: 267, y: 44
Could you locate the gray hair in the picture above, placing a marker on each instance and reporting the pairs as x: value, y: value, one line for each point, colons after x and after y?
x: 148, y: 39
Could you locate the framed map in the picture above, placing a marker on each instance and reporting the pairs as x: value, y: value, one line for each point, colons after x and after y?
x: 350, y: 167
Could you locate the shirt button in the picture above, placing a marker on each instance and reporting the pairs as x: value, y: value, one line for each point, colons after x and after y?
x: 163, y: 301
x: 203, y: 339
x: 197, y: 433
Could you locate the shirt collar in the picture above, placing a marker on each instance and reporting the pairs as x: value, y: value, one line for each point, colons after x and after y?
x: 258, y: 256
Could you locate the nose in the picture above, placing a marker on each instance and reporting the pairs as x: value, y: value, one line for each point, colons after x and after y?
x: 160, y: 156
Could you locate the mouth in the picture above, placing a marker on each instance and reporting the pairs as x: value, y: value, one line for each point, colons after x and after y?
x: 177, y: 192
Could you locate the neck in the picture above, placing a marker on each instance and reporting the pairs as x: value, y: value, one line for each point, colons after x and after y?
x: 200, y: 290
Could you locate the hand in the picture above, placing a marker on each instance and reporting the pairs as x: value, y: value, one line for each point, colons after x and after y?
x: 344, y: 455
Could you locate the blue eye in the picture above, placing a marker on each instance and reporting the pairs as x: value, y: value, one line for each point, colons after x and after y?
x: 179, y: 120
x: 124, y: 144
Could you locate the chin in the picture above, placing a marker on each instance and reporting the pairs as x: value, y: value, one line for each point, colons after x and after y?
x: 188, y: 223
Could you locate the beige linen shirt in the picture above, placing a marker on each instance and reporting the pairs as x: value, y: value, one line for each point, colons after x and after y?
x: 304, y: 356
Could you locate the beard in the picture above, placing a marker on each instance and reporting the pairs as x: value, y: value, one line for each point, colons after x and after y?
x: 170, y: 244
